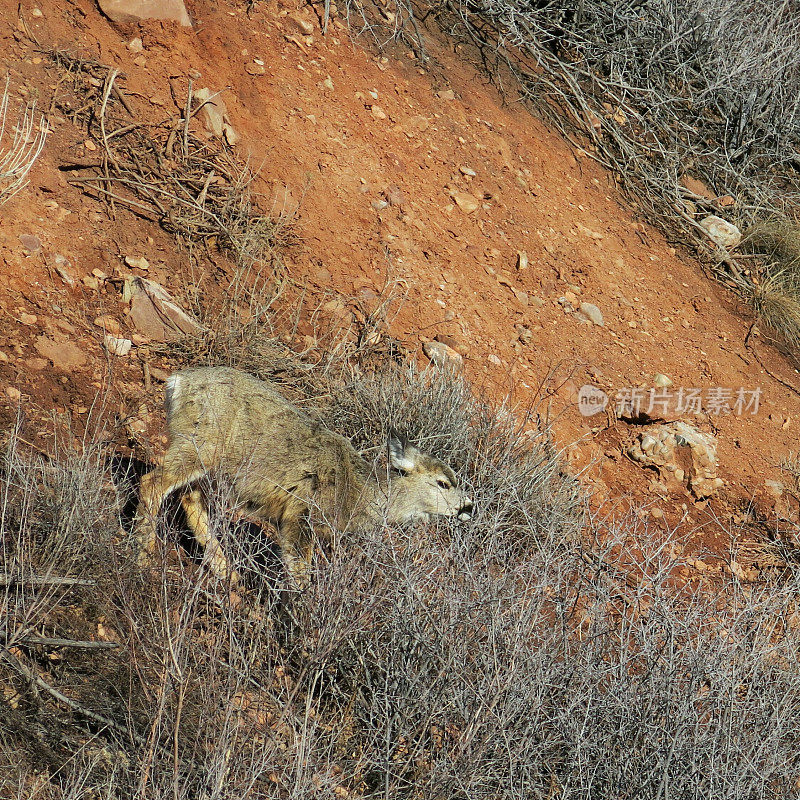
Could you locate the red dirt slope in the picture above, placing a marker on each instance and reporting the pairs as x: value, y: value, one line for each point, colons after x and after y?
x: 382, y: 158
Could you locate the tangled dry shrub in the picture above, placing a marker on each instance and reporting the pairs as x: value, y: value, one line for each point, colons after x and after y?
x: 506, y: 459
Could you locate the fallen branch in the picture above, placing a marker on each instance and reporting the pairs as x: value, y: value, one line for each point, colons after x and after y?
x: 84, y: 645
x: 44, y: 580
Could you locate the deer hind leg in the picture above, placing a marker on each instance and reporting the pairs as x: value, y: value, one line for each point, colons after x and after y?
x: 197, y: 519
x: 153, y: 490
x: 296, y: 543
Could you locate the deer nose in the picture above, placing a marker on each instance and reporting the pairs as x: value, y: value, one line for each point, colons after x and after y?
x: 465, y: 512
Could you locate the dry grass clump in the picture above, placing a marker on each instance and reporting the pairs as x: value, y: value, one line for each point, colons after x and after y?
x: 776, y: 240
x: 776, y: 302
x: 22, y: 138
x: 774, y: 289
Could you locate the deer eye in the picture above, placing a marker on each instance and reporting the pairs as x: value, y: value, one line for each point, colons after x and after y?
x: 443, y: 484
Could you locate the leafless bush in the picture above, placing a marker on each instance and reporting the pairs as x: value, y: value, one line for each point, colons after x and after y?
x: 27, y: 137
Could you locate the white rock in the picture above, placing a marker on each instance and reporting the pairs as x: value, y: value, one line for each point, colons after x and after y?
x: 593, y: 312
x: 117, y: 346
x: 443, y: 356
x: 465, y: 201
x: 661, y: 380
x: 721, y: 232
x: 214, y: 114
x: 137, y: 262
x: 678, y: 448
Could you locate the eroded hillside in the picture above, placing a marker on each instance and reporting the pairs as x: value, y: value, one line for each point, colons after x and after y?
x: 400, y: 176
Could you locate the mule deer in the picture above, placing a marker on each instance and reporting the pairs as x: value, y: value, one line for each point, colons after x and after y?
x: 283, y: 467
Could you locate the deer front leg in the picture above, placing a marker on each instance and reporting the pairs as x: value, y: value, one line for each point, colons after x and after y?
x: 153, y: 489
x: 197, y: 519
x: 297, y: 546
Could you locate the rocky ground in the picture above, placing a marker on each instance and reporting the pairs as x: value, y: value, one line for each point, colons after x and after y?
x: 505, y: 247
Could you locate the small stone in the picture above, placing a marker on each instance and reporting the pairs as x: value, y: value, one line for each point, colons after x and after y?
x: 378, y: 112
x: 454, y: 343
x: 3, y: 358
x: 721, y: 232
x: 661, y: 381
x: 493, y: 359
x: 30, y: 242
x: 36, y: 12
x: 90, y: 145
x: 656, y: 513
x: 137, y: 262
x: 117, y: 346
x: 108, y: 324
x: 135, y: 45
x: 524, y: 334
x: 211, y: 109
x: 63, y: 355
x: 446, y: 94
x: 566, y: 304
x: 134, y: 11
x: 155, y: 313
x: 255, y: 69
x: 592, y: 312
x: 90, y: 282
x: 328, y: 84
x: 27, y: 319
x: 303, y: 25
x: 395, y: 197
x: 443, y: 356
x: 522, y: 260
x: 466, y: 202
x: 231, y: 137
x: 775, y: 488
x: 470, y: 173
x: 413, y: 126
x: 13, y: 394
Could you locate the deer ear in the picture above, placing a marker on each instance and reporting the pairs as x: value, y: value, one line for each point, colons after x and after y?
x: 401, y: 454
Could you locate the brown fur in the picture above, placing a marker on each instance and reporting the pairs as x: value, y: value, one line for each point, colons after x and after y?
x: 282, y: 466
